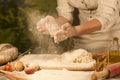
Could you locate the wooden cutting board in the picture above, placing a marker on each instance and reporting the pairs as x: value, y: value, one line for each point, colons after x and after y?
x: 52, y: 68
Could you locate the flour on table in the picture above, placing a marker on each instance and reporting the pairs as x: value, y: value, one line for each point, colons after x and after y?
x: 79, y: 58
x: 72, y: 59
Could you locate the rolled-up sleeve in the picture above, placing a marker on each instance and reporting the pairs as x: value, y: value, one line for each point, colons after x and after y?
x: 106, y: 12
x: 64, y: 9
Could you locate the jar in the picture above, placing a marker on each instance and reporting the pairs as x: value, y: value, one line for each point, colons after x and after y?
x: 114, y: 51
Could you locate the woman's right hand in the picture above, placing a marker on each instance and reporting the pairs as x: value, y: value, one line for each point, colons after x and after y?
x: 41, y: 26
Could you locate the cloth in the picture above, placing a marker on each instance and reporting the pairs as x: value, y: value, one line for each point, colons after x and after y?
x: 106, y: 11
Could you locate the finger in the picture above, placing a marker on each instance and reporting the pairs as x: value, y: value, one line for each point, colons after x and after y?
x: 60, y: 38
x: 43, y: 31
x: 41, y: 28
x: 59, y: 33
x: 38, y: 27
x: 51, y: 20
x: 65, y: 26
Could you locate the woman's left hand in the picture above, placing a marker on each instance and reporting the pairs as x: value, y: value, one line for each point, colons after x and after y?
x: 66, y: 31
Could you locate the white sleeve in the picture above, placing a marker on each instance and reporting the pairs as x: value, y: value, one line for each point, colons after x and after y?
x: 64, y: 9
x: 106, y: 12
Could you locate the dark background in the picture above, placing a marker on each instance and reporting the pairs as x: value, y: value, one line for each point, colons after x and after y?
x: 14, y: 24
x: 18, y: 20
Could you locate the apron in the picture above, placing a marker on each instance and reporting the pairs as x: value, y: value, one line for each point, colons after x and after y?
x: 98, y: 41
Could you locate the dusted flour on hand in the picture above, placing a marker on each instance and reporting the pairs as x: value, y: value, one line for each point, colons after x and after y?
x: 50, y: 24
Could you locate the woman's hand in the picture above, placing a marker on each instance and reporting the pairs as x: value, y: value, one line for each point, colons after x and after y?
x: 41, y: 26
x: 48, y: 26
x: 66, y: 31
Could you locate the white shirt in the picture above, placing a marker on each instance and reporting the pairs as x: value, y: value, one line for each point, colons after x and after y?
x: 106, y: 11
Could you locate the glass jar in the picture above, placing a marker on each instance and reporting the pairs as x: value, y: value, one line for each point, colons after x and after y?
x: 114, y: 51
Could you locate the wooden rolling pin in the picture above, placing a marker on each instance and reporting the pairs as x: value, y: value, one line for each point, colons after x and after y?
x: 108, y: 72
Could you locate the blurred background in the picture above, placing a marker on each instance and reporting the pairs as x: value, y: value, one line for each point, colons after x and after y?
x: 18, y: 20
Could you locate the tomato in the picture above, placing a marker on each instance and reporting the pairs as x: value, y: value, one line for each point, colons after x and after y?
x: 29, y: 70
x: 8, y: 67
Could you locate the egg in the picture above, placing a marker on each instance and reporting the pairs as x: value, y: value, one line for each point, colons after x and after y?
x: 19, y: 66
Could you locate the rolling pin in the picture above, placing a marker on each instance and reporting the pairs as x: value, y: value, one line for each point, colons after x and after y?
x: 108, y: 72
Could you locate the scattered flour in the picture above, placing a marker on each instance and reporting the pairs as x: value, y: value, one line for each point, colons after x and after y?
x: 63, y: 62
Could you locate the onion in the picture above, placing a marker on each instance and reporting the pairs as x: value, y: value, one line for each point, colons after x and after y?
x: 19, y: 66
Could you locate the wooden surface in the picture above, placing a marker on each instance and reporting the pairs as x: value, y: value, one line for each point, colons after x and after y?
x: 115, y: 78
x: 57, y: 75
x: 60, y: 75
